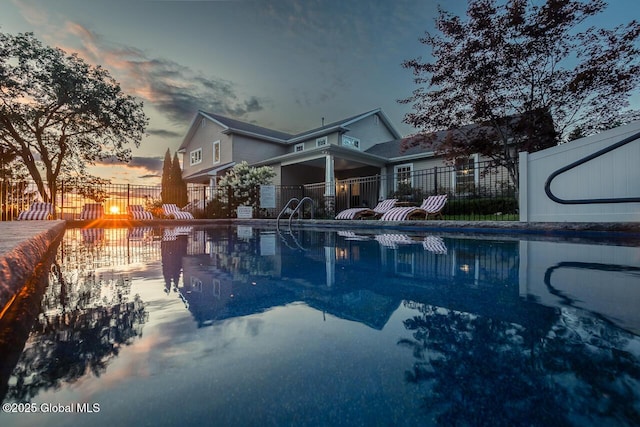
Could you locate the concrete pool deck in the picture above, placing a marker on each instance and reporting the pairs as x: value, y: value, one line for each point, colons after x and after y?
x: 23, y: 244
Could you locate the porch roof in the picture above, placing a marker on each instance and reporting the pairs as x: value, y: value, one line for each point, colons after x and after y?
x: 343, y: 157
x: 208, y: 172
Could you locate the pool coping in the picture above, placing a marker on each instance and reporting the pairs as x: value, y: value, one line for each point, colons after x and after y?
x: 23, y: 246
x: 25, y: 243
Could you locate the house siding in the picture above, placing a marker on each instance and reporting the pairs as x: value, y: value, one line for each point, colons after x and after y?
x: 203, y: 138
x: 370, y: 131
x: 253, y: 150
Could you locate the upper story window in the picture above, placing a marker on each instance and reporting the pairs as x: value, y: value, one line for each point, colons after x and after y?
x: 298, y: 147
x: 403, y: 175
x: 195, y: 157
x: 216, y: 151
x: 349, y: 141
x: 322, y: 141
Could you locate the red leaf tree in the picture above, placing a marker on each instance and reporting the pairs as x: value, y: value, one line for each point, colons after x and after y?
x: 520, y: 76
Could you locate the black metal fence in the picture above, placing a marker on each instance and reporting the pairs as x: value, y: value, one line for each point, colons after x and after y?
x: 476, y: 192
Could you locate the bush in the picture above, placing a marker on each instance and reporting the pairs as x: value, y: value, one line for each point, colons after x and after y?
x: 481, y: 206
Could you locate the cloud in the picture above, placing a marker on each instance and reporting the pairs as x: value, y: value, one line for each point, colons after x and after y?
x: 174, y: 90
x: 163, y: 133
x: 151, y: 164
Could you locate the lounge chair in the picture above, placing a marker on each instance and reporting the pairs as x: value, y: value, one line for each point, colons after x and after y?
x: 37, y: 211
x: 92, y: 211
x: 361, y: 213
x: 170, y: 210
x: 432, y: 205
x: 138, y: 212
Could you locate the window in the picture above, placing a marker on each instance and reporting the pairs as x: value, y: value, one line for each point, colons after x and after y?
x: 403, y: 175
x: 465, y: 175
x: 349, y: 141
x: 195, y: 157
x: 203, y: 122
x: 321, y: 141
x: 298, y: 147
x: 216, y: 152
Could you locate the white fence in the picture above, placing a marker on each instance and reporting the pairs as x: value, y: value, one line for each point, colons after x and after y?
x: 592, y: 179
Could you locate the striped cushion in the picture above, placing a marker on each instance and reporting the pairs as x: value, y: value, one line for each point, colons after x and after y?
x: 398, y: 214
x: 92, y: 211
x: 138, y: 212
x: 380, y: 209
x: 434, y: 204
x: 350, y: 213
x: 385, y: 205
x: 172, y: 211
x: 37, y: 211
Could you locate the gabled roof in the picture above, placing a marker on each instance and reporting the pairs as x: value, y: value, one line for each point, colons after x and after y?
x: 342, y: 125
x: 232, y: 126
x: 236, y: 126
x: 394, y: 149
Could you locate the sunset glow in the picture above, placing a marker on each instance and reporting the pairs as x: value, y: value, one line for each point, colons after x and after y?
x: 114, y: 210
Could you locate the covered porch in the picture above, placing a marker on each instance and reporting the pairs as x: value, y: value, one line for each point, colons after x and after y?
x: 333, y: 176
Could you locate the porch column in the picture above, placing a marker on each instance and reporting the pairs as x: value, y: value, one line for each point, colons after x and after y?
x: 383, y: 183
x: 329, y: 187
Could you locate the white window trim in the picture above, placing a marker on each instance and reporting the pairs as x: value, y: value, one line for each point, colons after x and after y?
x: 213, y: 155
x: 476, y: 171
x: 395, y: 174
x: 300, y: 146
x: 321, y: 142
x: 353, y: 142
x: 195, y: 157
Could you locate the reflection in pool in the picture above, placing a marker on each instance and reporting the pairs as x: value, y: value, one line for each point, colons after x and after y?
x: 248, y: 326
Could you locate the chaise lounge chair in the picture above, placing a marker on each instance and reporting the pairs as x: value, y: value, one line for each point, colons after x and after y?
x: 432, y: 205
x: 362, y: 213
x: 37, y: 211
x: 170, y: 210
x: 138, y: 212
x: 92, y: 211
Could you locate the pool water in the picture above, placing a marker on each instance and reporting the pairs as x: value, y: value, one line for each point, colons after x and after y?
x: 242, y: 326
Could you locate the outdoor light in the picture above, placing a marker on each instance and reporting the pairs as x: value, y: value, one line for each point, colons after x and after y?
x: 114, y: 210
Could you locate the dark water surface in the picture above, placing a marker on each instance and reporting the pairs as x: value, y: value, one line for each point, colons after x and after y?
x: 240, y: 326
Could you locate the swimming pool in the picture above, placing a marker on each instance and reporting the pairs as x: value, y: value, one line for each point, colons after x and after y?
x: 239, y: 325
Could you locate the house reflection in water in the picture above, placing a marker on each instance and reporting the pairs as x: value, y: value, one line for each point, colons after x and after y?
x: 235, y: 272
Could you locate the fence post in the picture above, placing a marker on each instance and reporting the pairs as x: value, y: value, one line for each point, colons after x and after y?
x: 435, y: 180
x: 62, y: 200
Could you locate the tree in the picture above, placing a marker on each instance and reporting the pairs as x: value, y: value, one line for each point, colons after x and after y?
x: 179, y: 186
x: 166, y: 178
x: 519, y: 76
x: 241, y: 185
x: 59, y: 114
x: 174, y: 189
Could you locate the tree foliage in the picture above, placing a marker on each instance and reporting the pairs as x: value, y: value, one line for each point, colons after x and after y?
x: 59, y: 114
x: 520, y: 76
x: 174, y: 189
x: 240, y: 187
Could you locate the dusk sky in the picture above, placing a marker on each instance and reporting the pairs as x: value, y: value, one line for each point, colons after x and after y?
x: 283, y: 64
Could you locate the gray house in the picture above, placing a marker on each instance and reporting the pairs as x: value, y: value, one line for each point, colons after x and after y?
x: 365, y: 145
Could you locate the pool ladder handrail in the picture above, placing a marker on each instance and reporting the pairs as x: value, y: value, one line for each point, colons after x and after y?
x: 295, y: 210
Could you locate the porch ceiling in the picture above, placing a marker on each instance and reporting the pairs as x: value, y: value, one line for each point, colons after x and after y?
x: 339, y: 164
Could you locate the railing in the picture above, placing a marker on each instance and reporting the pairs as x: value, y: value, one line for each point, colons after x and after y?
x: 547, y: 185
x: 478, y: 192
